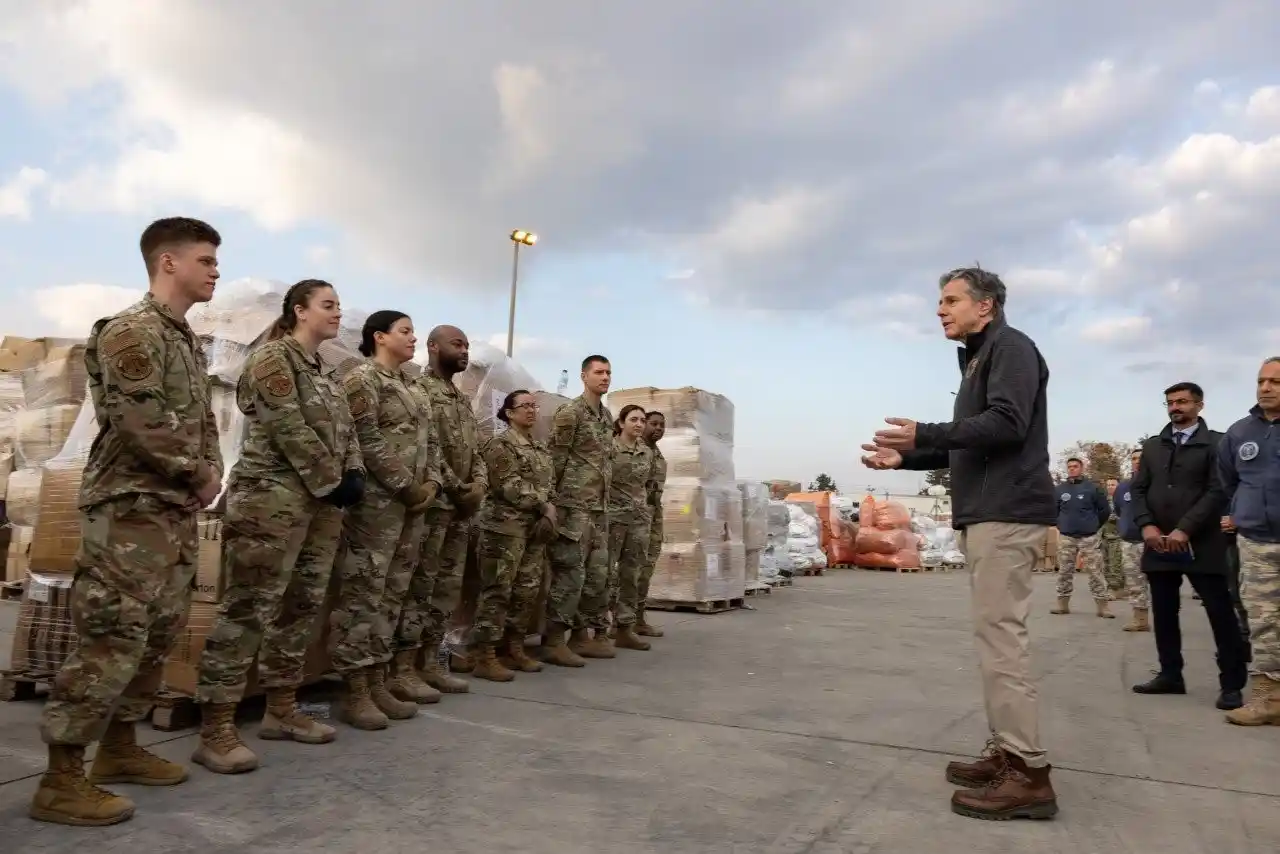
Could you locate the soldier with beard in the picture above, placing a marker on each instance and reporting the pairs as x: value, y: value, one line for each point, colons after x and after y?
x: 436, y: 587
x: 655, y: 429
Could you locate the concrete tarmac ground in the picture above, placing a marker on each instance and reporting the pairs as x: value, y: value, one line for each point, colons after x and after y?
x: 818, y: 722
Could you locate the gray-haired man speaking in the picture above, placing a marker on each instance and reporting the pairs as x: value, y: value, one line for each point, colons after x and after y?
x: 1003, y: 502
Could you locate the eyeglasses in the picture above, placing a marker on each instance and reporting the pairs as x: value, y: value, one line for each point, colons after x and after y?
x: 530, y: 405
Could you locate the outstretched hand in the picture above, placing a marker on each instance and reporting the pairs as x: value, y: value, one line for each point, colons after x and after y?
x: 900, y: 437
x: 881, y: 459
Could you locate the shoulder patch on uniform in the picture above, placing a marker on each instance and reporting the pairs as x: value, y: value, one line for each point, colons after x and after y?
x: 117, y: 342
x: 272, y: 364
x: 358, y: 404
x: 134, y: 364
x: 504, y: 462
x: 278, y: 385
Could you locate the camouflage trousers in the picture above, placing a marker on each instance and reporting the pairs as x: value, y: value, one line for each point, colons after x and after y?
x: 1135, y: 579
x: 628, y: 555
x: 511, y: 570
x: 651, y: 559
x: 278, y: 547
x: 435, y: 587
x: 375, y: 565
x: 1112, y: 563
x: 1069, y: 549
x: 1260, y: 592
x: 579, y: 596
x: 125, y: 631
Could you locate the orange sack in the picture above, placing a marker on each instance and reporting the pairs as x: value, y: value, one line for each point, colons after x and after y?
x: 843, y: 544
x: 885, y: 539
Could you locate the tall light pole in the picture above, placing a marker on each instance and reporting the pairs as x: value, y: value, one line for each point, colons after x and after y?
x: 519, y: 238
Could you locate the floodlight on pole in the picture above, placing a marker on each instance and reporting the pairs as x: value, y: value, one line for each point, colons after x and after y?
x: 518, y: 238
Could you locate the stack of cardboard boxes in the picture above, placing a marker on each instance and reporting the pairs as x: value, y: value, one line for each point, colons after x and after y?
x: 703, y: 554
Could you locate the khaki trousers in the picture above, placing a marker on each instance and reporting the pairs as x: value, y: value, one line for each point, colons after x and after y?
x: 1000, y: 558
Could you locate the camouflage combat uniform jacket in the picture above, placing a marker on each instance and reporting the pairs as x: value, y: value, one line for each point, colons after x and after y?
x: 300, y: 431
x: 520, y: 476
x: 582, y: 454
x: 631, y: 484
x: 458, y: 435
x: 149, y: 381
x: 395, y: 426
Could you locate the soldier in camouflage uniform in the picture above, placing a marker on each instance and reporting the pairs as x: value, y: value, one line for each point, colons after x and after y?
x: 154, y: 464
x: 516, y: 523
x: 300, y: 465
x: 436, y: 586
x: 1112, y: 568
x: 630, y: 514
x: 655, y: 429
x: 1083, y: 509
x: 1249, y: 467
x: 383, y: 533
x: 581, y: 452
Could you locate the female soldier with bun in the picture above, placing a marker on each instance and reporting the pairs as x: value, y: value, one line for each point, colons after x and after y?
x: 299, y: 466
x: 383, y: 533
x: 515, y: 525
x: 630, y: 513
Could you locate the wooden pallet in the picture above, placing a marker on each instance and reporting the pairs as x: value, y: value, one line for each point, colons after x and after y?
x: 781, y: 581
x: 844, y: 566
x: 761, y: 590
x: 11, y: 591
x: 709, y: 606
x: 21, y: 687
x: 818, y: 570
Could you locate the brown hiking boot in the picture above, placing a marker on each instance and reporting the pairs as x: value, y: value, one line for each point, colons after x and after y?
x: 405, y: 683
x: 488, y: 667
x: 628, y: 639
x: 1263, y: 708
x: 65, y: 795
x: 1016, y: 792
x: 556, y: 651
x: 121, y: 760
x: 460, y: 663
x: 513, y: 646
x: 644, y: 628
x: 586, y: 646
x: 388, y: 703
x: 1104, y: 609
x: 220, y: 749
x: 1138, y: 622
x: 979, y: 773
x: 359, y: 710
x: 1064, y: 606
x: 284, y: 722
x: 604, y: 641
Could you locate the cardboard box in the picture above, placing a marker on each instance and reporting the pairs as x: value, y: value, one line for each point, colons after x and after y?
x: 209, y: 578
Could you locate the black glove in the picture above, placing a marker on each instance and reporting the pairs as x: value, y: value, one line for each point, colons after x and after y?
x: 349, y: 491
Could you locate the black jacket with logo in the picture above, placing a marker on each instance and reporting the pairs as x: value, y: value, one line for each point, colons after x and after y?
x: 997, y: 446
x: 1178, y: 487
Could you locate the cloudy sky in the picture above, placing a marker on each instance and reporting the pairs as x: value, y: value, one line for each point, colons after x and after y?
x: 753, y: 197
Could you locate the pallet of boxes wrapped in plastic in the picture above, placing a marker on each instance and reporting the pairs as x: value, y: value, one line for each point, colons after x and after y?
x: 491, y: 376
x: 755, y: 531
x: 703, y: 562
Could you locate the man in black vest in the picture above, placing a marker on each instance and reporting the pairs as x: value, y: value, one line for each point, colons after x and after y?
x: 1003, y: 503
x: 1178, y: 503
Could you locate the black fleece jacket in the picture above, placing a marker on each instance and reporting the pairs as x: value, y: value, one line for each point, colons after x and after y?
x: 997, y: 446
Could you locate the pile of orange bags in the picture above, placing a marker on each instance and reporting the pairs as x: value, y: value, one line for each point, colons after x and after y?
x: 884, y: 536
x: 842, y: 547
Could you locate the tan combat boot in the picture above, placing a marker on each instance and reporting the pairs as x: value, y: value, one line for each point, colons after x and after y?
x: 646, y: 629
x: 284, y: 722
x: 65, y: 795
x: 556, y: 651
x: 121, y: 760
x: 488, y: 667
x: 1263, y: 708
x: 405, y: 682
x: 221, y: 750
x: 513, y: 646
x: 604, y: 643
x: 1104, y: 609
x: 1064, y: 606
x: 442, y: 680
x: 628, y: 639
x: 396, y: 709
x: 358, y: 710
x: 1138, y: 622
x: 584, y: 645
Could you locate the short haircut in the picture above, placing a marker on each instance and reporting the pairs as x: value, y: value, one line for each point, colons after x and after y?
x: 982, y: 284
x: 169, y: 233
x: 1071, y: 460
x: 1194, y: 390
x: 596, y: 357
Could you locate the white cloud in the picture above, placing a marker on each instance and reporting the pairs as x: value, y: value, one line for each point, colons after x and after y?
x: 65, y: 311
x: 15, y: 194
x: 1115, y: 329
x: 531, y: 348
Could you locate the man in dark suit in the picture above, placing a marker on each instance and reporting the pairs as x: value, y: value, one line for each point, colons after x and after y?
x: 1178, y: 505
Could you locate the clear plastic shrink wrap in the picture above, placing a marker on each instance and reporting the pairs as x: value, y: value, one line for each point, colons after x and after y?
x: 775, y: 560
x: 755, y: 525
x: 703, y: 554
